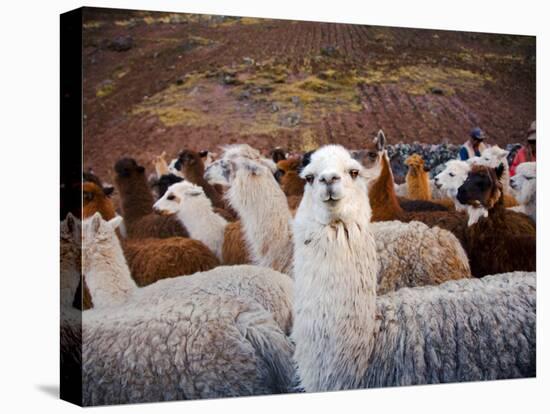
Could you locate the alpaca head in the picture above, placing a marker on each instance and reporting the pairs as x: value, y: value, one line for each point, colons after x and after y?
x: 453, y: 176
x: 289, y: 166
x: 221, y: 171
x: 369, y: 157
x: 335, y: 189
x: 493, y: 157
x: 95, y: 200
x: 481, y: 190
x: 416, y: 165
x: 524, y: 182
x: 190, y: 163
x: 182, y: 195
x: 98, y: 237
x: 161, y: 185
x: 128, y: 168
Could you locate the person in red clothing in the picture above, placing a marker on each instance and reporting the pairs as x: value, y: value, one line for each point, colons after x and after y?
x: 527, y: 152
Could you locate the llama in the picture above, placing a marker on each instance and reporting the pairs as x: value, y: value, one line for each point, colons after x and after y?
x: 161, y: 167
x: 493, y: 157
x: 498, y: 240
x: 253, y: 193
x: 451, y: 178
x: 418, y: 180
x: 94, y: 199
x: 524, y: 185
x: 194, y: 210
x: 278, y: 154
x: 242, y: 311
x: 235, y: 250
x: 412, y: 254
x: 137, y: 205
x: 347, y: 337
x: 192, y: 167
x: 288, y: 176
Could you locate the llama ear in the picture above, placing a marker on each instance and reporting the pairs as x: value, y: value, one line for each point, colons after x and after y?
x: 203, y: 153
x: 380, y: 140
x: 499, y: 170
x: 96, y: 222
x: 115, y: 222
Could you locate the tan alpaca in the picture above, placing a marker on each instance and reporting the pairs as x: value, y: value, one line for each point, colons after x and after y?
x: 418, y: 180
x: 161, y: 167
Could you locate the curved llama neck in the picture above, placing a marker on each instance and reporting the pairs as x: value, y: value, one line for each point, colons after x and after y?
x: 203, y: 224
x: 265, y: 217
x: 135, y: 198
x: 382, y: 198
x: 335, y: 268
x: 107, y: 274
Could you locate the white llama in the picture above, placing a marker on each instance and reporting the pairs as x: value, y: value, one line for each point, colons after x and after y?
x: 524, y: 186
x: 348, y: 338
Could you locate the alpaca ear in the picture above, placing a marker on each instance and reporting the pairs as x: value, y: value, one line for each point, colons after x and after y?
x: 499, y: 170
x: 380, y: 140
x: 115, y: 222
x: 203, y: 153
x: 96, y: 222
x: 73, y: 225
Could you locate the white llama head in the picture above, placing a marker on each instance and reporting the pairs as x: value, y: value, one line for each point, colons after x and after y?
x: 524, y: 183
x: 180, y: 194
x: 493, y: 157
x: 453, y: 176
x: 335, y: 189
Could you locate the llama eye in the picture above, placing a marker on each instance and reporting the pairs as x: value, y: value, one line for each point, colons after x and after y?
x: 309, y: 178
x: 354, y: 173
x: 451, y: 174
x: 171, y: 197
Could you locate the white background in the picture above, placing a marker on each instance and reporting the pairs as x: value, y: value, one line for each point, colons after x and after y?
x: 29, y: 136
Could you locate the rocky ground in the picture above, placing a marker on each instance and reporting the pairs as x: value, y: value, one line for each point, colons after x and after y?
x: 159, y: 81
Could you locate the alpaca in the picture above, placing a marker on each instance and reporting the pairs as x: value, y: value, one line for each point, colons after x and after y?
x: 152, y: 259
x: 235, y: 250
x: 94, y: 199
x: 346, y: 337
x: 418, y: 180
x: 385, y: 206
x: 161, y: 167
x: 242, y: 314
x: 278, y: 154
x: 192, y: 168
x: 253, y: 194
x: 411, y: 253
x: 194, y: 210
x: 493, y: 157
x: 524, y: 185
x: 137, y: 205
x: 161, y: 184
x: 288, y: 176
x: 498, y: 240
x: 451, y: 178
x: 112, y: 284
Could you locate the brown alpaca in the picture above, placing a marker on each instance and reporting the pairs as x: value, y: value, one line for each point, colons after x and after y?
x: 137, y: 205
x: 503, y: 240
x: 385, y: 206
x: 151, y: 260
x: 94, y: 200
x: 234, y: 250
x: 291, y: 182
x: 418, y: 180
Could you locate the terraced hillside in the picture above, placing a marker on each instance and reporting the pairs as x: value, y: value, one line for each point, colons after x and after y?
x: 159, y: 81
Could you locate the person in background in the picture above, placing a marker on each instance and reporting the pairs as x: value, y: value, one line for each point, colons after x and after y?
x: 527, y: 152
x: 474, y: 146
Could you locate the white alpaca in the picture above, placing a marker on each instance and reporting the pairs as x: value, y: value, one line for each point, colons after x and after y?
x: 412, y: 254
x: 257, y: 197
x: 524, y: 186
x: 493, y: 157
x: 451, y: 178
x: 194, y: 210
x: 348, y: 338
x: 212, y: 334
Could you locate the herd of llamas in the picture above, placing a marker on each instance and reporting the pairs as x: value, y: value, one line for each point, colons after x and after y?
x: 245, y: 274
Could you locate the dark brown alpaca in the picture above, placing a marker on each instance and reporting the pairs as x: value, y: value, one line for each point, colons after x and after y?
x: 504, y: 241
x: 291, y: 182
x: 137, y: 205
